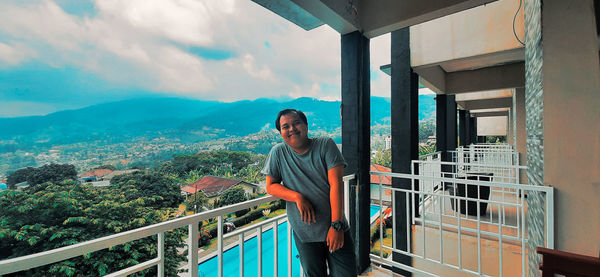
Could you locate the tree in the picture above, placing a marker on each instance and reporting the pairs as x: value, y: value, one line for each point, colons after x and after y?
x: 52, y: 173
x: 383, y: 158
x: 55, y: 173
x: 232, y: 196
x: 60, y: 215
x: 151, y: 184
x: 107, y: 166
x: 19, y: 176
x: 197, y: 200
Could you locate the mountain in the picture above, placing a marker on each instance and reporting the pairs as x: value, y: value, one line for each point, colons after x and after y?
x: 184, y: 119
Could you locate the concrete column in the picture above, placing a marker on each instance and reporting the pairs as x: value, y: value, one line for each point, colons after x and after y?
x: 405, y: 120
x: 473, y: 127
x: 563, y: 122
x: 356, y: 142
x: 571, y: 122
x: 463, y: 126
x: 509, y: 128
x: 520, y: 129
x: 445, y: 124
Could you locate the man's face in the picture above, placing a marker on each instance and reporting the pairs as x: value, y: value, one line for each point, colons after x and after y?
x: 293, y: 131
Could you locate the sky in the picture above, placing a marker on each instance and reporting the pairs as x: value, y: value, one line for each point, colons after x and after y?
x: 67, y: 54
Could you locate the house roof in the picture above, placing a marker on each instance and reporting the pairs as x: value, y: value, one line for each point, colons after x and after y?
x: 211, y: 185
x: 96, y: 173
x: 376, y: 179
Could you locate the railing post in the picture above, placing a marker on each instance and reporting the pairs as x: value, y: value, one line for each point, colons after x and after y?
x: 289, y: 249
x: 241, y: 246
x: 275, y: 248
x: 347, y: 201
x: 220, y: 245
x: 193, y: 249
x: 259, y: 247
x: 160, y: 270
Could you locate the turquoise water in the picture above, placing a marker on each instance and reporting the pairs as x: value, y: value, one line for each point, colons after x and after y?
x: 231, y: 264
x: 374, y: 210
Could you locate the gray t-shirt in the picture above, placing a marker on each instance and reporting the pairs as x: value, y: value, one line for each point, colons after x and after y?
x: 307, y: 174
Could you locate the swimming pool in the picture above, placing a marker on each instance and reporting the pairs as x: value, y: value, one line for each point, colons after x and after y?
x: 231, y: 257
x: 231, y: 264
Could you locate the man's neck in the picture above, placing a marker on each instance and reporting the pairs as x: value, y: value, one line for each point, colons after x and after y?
x: 304, y: 148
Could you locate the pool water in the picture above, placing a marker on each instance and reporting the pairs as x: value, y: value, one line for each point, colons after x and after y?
x: 231, y: 257
x: 231, y: 264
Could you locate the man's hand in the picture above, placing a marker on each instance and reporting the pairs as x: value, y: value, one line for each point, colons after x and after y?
x: 335, y: 239
x: 307, y: 212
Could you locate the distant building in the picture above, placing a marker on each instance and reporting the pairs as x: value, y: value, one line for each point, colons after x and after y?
x: 213, y: 186
x: 22, y: 185
x: 377, y: 180
x: 388, y: 142
x: 94, y: 175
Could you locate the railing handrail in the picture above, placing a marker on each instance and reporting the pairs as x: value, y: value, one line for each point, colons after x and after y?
x: 545, y: 189
x: 473, y: 164
x: 71, y: 251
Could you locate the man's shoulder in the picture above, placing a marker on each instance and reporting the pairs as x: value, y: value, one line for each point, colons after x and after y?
x: 278, y: 148
x: 322, y: 140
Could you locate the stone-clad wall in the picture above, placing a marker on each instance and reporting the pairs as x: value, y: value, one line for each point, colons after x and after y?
x: 534, y: 105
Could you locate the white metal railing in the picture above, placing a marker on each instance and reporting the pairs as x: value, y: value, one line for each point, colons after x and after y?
x: 64, y: 253
x: 444, y: 218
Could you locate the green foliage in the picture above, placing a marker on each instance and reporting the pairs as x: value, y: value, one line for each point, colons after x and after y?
x: 163, y: 190
x: 48, y: 173
x: 106, y: 166
x: 54, y: 216
x: 495, y: 139
x: 232, y: 196
x: 426, y: 129
x: 197, y: 200
x: 426, y: 149
x: 19, y: 176
x: 383, y: 158
x: 205, y: 162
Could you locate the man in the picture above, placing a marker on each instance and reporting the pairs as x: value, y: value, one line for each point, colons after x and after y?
x: 307, y: 174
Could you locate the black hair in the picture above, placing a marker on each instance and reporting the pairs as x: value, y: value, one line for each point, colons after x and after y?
x: 289, y: 111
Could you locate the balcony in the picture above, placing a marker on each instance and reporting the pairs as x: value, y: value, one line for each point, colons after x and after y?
x: 441, y: 237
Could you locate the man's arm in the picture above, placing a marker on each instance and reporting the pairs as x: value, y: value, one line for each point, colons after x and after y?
x: 306, y: 209
x: 335, y: 239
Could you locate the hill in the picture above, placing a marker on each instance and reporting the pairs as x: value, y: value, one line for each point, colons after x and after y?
x: 183, y: 119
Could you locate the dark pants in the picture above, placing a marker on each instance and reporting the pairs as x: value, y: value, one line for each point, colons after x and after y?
x: 315, y: 256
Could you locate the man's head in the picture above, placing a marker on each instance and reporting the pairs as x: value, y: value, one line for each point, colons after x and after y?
x: 293, y: 126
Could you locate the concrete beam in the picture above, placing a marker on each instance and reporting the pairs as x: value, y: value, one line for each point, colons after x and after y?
x: 486, y: 103
x: 489, y: 114
x: 489, y: 78
x: 384, y: 16
x: 292, y: 12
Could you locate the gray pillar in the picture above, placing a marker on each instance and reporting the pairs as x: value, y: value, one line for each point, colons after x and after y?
x: 405, y: 128
x: 445, y: 124
x: 463, y: 127
x: 356, y: 142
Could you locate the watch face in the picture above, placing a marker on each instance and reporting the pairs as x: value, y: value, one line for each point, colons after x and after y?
x: 336, y: 225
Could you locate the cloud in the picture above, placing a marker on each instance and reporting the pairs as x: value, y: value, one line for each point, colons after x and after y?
x: 15, y: 54
x: 225, y: 50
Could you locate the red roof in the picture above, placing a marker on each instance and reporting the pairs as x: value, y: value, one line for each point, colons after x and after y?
x: 96, y: 173
x: 210, y: 185
x: 376, y: 179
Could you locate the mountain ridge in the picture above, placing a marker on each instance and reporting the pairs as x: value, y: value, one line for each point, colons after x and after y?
x: 181, y: 118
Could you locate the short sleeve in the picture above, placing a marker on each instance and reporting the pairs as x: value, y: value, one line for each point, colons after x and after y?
x: 271, y: 167
x: 333, y: 156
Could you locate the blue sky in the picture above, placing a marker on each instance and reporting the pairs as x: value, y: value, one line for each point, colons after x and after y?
x: 65, y: 54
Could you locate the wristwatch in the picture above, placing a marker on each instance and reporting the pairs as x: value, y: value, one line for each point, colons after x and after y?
x: 338, y: 225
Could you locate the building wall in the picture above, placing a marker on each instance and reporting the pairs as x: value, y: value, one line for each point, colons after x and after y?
x: 571, y: 131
